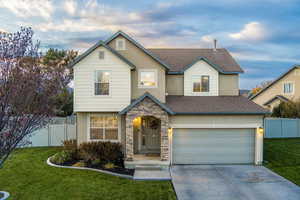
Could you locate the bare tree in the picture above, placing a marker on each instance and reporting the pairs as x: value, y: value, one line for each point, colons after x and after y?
x: 27, y: 89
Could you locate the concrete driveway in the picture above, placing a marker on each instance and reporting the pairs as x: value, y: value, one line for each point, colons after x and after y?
x: 231, y: 182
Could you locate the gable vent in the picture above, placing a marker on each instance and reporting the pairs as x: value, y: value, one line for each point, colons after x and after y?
x: 101, y: 55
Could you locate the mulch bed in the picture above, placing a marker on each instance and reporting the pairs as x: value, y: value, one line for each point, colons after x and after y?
x: 118, y: 170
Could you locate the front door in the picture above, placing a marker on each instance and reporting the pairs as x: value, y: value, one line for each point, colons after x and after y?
x: 150, y: 132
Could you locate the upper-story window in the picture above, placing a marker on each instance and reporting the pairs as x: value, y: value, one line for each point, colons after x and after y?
x: 147, y: 78
x: 102, y: 82
x: 120, y: 44
x: 201, y: 84
x: 288, y: 88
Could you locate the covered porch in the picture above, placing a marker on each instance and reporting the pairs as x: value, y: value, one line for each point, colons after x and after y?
x: 147, y: 140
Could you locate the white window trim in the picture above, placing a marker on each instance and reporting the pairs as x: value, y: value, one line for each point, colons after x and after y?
x: 200, y: 77
x: 110, y: 82
x: 124, y: 46
x: 293, y: 85
x: 155, y: 78
x: 102, y: 140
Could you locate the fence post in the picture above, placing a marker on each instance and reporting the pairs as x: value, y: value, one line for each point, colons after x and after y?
x: 66, y: 128
x: 49, y: 134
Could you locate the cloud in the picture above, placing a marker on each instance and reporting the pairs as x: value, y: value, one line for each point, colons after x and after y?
x: 70, y: 6
x: 253, y: 31
x: 29, y: 8
x: 3, y: 31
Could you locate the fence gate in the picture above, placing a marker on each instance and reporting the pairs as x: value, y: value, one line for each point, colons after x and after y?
x: 282, y: 128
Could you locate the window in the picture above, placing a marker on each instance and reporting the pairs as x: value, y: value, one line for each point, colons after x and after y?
x: 201, y: 84
x: 104, y: 127
x: 288, y: 88
x: 147, y: 78
x: 101, y: 55
x: 102, y: 79
x: 120, y: 44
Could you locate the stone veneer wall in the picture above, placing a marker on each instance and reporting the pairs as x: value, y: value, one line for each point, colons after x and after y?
x: 147, y: 108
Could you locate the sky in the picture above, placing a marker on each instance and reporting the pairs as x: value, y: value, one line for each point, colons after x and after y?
x: 262, y: 35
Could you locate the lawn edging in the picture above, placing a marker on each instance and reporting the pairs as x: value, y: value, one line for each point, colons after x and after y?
x: 87, y: 168
x: 6, y: 195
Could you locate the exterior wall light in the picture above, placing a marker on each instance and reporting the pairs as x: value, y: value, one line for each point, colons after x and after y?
x: 261, y: 130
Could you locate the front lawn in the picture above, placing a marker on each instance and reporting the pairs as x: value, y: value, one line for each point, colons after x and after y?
x: 27, y: 176
x: 283, y: 157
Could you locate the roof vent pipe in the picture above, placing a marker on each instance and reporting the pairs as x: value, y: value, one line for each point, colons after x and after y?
x: 215, y: 44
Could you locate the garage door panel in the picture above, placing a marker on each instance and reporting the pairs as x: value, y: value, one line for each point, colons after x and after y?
x: 213, y: 146
x: 219, y: 141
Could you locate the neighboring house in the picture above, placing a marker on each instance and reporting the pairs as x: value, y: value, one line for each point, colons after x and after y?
x: 176, y: 106
x: 283, y: 89
x: 244, y: 93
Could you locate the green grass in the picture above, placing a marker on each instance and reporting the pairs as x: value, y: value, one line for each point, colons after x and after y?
x: 27, y: 176
x: 283, y: 156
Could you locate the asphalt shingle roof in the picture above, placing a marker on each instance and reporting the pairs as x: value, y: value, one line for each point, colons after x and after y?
x: 213, y: 105
x: 178, y: 59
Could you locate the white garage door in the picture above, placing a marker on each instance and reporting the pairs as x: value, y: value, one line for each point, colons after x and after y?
x: 213, y: 146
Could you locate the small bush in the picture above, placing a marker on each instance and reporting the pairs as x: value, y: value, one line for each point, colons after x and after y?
x: 61, y: 157
x: 79, y: 164
x: 109, y: 165
x: 71, y: 146
x: 96, y: 162
x: 105, y: 151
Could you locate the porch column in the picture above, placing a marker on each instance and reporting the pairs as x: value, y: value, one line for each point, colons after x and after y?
x: 129, y: 138
x: 164, y: 148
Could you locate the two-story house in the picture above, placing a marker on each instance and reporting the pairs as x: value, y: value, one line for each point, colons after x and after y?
x: 178, y: 106
x: 285, y: 88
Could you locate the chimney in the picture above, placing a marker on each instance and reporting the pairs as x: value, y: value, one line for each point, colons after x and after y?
x: 215, y: 44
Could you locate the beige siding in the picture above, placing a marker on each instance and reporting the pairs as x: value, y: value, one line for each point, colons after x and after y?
x: 228, y: 85
x: 214, y: 121
x: 83, y: 126
x: 277, y: 89
x: 84, y: 77
x: 201, y: 68
x: 175, y: 84
x: 143, y: 61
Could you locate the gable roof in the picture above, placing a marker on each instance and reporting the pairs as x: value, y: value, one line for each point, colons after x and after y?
x: 137, y: 45
x: 141, y: 98
x: 179, y: 59
x: 275, y: 81
x: 280, y: 97
x: 213, y: 105
x: 95, y: 46
x: 216, y: 67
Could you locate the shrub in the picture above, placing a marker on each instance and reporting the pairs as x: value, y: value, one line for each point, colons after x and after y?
x: 61, y: 157
x: 105, y: 151
x: 71, y: 146
x: 96, y: 162
x: 290, y: 109
x: 109, y: 165
x: 79, y: 164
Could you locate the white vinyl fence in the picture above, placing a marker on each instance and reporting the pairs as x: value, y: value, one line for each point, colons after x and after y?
x: 54, y: 133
